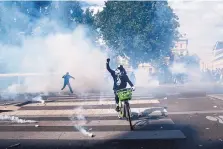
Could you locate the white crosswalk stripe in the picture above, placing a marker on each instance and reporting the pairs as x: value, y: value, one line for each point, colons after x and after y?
x: 54, y: 120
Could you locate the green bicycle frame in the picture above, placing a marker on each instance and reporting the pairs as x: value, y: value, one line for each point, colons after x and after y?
x: 124, y: 95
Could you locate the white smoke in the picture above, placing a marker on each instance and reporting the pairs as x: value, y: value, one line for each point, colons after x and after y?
x: 178, y: 68
x: 60, y: 53
x: 39, y: 99
x: 79, y: 121
x: 143, y: 78
x: 15, y: 119
x: 50, y: 52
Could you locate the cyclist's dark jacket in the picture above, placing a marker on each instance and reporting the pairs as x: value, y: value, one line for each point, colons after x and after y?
x: 124, y: 79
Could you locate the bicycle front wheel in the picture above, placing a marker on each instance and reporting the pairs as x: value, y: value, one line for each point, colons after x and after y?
x: 122, y: 111
x: 128, y: 115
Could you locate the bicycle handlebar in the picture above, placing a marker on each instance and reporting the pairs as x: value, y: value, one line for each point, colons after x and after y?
x: 125, y: 89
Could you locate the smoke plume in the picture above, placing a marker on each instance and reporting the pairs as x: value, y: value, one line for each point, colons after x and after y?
x: 49, y: 51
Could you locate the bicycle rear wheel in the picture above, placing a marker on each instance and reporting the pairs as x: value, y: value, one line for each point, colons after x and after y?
x: 128, y: 115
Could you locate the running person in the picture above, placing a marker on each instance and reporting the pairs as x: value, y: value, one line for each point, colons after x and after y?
x: 66, y: 78
x: 120, y: 80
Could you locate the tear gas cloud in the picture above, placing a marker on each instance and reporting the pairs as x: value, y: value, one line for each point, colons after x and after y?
x: 50, y: 50
x: 15, y: 119
x: 193, y: 73
x: 178, y: 68
x: 143, y: 79
x: 79, y: 121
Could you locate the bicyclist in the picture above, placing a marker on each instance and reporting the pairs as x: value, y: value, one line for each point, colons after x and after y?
x: 120, y: 80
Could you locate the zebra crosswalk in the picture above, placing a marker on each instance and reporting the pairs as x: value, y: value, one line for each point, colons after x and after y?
x: 72, y: 119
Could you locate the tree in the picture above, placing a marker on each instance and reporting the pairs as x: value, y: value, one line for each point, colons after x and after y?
x: 142, y: 30
x: 88, y: 17
x: 67, y: 13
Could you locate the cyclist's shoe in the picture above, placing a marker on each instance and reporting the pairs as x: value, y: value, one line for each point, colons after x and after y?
x: 117, y: 108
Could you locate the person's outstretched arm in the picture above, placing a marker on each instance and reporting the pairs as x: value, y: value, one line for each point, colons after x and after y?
x: 108, y: 67
x: 71, y: 77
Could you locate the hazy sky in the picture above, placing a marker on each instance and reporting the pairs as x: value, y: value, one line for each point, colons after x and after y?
x: 201, y: 20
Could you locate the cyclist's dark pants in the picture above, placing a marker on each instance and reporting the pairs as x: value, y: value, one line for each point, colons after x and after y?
x: 116, y: 97
x: 65, y: 84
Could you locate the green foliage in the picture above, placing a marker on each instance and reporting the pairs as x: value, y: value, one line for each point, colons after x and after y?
x: 143, y: 30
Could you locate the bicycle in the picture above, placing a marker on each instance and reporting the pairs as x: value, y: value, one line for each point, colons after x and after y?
x: 124, y: 96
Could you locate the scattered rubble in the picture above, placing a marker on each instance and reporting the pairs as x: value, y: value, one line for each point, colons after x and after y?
x: 14, y: 145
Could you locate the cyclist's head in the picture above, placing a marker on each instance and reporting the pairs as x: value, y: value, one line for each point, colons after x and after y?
x: 120, y: 70
x: 67, y: 73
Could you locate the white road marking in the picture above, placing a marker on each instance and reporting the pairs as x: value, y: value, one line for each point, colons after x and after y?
x: 75, y: 111
x: 104, y: 135
x: 82, y: 103
x: 89, y: 123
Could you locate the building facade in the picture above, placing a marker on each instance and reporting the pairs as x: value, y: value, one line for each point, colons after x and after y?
x: 181, y: 47
x: 217, y: 61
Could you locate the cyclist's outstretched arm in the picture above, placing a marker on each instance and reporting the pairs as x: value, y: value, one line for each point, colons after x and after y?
x: 71, y: 77
x: 109, y: 69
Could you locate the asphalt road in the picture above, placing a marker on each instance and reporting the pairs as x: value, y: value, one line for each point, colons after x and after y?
x: 197, y: 117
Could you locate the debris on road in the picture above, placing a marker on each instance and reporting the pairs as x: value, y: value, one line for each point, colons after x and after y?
x: 211, y: 118
x: 165, y: 98
x: 79, y: 121
x: 14, y: 145
x: 207, y: 128
x: 220, y: 140
x: 215, y: 106
x: 200, y: 145
x: 36, y: 125
x: 220, y: 119
x: 90, y: 135
x: 39, y: 99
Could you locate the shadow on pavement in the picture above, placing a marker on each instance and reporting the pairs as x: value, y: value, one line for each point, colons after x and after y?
x: 192, y: 141
x: 1, y: 111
